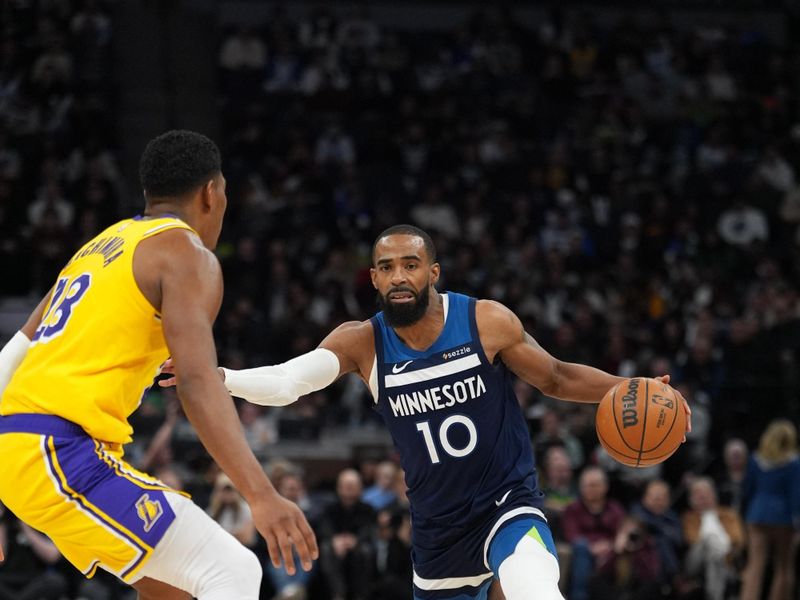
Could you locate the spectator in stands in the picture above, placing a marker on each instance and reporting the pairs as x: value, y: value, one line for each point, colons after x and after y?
x: 293, y: 487
x: 552, y: 432
x: 381, y: 494
x: 591, y: 525
x: 229, y: 509
x: 729, y: 481
x: 345, y: 534
x: 392, y: 566
x: 260, y: 427
x: 558, y: 482
x: 293, y: 587
x: 663, y: 524
x: 714, y: 535
x: 560, y: 490
x: 632, y: 572
x: 771, y: 503
x: 742, y: 224
x: 242, y: 59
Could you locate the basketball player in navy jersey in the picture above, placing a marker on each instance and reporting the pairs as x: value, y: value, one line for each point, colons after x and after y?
x: 439, y: 368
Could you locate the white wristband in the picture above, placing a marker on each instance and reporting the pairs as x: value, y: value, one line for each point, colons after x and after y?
x: 11, y: 356
x: 279, y: 385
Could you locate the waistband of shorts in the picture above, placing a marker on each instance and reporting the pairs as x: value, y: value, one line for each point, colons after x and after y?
x: 40, y: 424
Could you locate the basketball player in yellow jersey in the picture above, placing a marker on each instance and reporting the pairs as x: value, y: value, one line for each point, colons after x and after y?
x: 144, y: 289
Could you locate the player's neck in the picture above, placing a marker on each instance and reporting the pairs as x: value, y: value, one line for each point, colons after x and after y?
x: 422, y: 334
x: 160, y: 209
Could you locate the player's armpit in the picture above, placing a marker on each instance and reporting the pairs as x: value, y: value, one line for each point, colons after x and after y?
x: 354, y: 345
x: 502, y: 335
x: 501, y: 331
x: 35, y: 318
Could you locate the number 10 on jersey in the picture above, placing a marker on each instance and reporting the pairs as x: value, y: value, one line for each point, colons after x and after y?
x: 444, y: 441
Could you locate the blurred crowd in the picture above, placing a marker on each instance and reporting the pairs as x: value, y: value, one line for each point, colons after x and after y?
x: 59, y: 179
x: 629, y: 189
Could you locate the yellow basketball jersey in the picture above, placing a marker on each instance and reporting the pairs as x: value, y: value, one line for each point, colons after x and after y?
x: 100, y: 343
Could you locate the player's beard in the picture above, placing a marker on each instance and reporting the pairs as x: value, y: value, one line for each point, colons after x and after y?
x: 407, y: 313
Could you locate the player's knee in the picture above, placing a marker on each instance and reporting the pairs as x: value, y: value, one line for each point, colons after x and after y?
x: 236, y: 574
x: 530, y: 572
x: 244, y: 571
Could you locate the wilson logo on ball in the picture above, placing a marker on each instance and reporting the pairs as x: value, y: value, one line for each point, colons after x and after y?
x: 662, y: 401
x: 630, y: 416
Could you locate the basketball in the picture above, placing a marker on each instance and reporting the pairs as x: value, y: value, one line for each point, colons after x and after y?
x: 640, y: 422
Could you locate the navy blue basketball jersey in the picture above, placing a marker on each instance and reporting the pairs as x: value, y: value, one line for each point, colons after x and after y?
x: 455, y: 420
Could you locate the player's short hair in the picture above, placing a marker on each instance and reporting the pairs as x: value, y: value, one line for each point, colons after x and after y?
x: 176, y: 162
x: 430, y: 247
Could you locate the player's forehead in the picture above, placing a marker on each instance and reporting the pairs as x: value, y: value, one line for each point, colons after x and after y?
x: 398, y: 246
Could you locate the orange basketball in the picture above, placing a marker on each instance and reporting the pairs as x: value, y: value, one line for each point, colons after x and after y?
x: 640, y: 422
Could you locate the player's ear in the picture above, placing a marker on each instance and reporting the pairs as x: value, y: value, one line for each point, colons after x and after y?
x: 373, y: 274
x: 207, y: 195
x: 436, y: 270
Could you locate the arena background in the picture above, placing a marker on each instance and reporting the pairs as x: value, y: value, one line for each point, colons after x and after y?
x: 624, y: 178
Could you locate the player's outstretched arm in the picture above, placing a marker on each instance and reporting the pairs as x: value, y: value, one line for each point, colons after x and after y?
x: 15, y: 350
x: 190, y: 286
x: 283, y: 384
x: 503, y: 335
x: 279, y: 385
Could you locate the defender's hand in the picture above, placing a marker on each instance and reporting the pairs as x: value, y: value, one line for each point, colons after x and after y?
x: 284, y: 526
x: 168, y: 368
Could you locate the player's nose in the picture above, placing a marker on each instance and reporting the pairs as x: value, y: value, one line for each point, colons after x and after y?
x: 398, y: 276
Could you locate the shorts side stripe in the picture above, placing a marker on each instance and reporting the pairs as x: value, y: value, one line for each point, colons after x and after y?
x: 89, y: 573
x: 60, y: 480
x: 122, y: 472
x: 449, y: 583
x: 522, y: 510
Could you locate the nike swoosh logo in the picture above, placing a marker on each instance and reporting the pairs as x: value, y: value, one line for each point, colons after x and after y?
x: 398, y: 368
x: 503, y: 499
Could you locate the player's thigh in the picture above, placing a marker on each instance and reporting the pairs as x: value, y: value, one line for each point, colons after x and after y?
x: 150, y: 589
x: 95, y: 513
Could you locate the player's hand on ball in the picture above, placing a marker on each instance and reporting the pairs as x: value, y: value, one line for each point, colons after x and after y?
x: 284, y: 526
x: 665, y: 379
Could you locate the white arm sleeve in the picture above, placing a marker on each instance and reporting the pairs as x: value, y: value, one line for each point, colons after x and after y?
x: 11, y: 356
x: 279, y: 385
